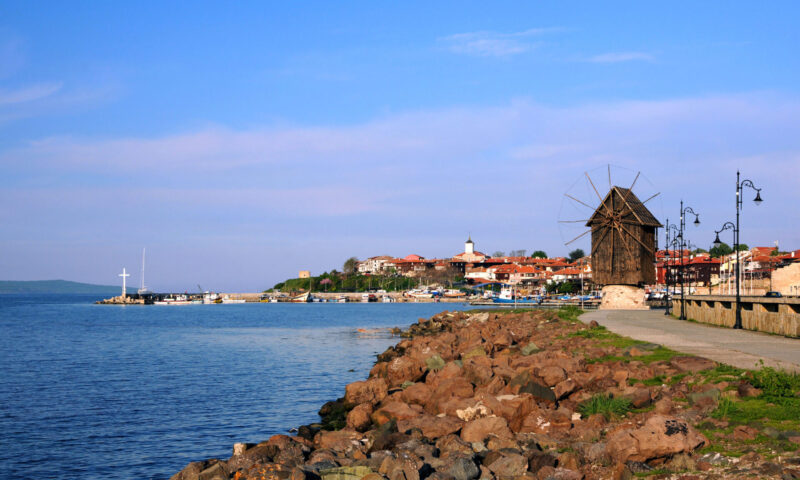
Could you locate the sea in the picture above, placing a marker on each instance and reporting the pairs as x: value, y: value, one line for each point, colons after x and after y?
x: 137, y: 392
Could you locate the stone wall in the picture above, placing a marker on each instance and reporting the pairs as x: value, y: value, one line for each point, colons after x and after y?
x: 780, y: 316
x: 783, y: 279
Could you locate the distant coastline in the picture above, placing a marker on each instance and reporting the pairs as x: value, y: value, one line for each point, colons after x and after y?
x: 54, y: 286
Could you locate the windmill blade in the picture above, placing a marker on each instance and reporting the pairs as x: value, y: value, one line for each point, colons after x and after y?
x: 600, y: 239
x: 609, y: 177
x: 579, y: 236
x: 570, y: 196
x: 649, y: 249
x: 622, y: 239
x: 652, y: 197
x: 596, y: 192
x: 573, y: 221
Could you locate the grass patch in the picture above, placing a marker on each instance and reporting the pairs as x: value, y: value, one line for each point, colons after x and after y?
x: 776, y: 383
x: 722, y: 373
x: 606, y: 405
x: 656, y: 381
x: 569, y: 313
x: 658, y: 355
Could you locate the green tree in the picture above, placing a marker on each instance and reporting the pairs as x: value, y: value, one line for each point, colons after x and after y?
x: 721, y: 250
x: 350, y: 265
x: 743, y: 247
x: 700, y: 250
x: 539, y: 254
x: 576, y: 254
x: 566, y: 287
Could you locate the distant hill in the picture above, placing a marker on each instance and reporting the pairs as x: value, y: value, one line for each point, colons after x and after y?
x: 55, y: 286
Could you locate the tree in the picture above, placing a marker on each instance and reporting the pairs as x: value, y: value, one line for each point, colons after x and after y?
x: 539, y: 254
x: 743, y: 247
x: 700, y: 250
x: 350, y: 265
x: 566, y: 287
x: 722, y: 250
x: 517, y: 253
x: 499, y: 254
x: 576, y: 254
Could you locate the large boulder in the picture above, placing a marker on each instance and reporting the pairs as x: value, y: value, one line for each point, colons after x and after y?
x: 431, y: 426
x: 359, y: 418
x: 370, y: 391
x: 691, y: 364
x: 404, y: 369
x: 394, y: 411
x: 661, y: 436
x: 478, y: 430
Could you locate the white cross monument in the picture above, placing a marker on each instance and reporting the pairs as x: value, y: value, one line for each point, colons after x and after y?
x: 123, y: 275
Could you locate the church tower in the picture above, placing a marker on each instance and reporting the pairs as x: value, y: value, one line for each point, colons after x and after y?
x: 469, y: 246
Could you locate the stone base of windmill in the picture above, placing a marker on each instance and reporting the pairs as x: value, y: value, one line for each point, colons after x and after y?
x: 623, y: 297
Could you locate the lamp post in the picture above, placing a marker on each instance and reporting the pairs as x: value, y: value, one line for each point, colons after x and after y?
x: 727, y: 226
x: 672, y: 242
x: 696, y: 223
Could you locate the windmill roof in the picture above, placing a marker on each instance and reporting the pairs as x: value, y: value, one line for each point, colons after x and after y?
x: 638, y: 212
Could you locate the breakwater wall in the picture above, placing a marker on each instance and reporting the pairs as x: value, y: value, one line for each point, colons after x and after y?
x: 780, y: 316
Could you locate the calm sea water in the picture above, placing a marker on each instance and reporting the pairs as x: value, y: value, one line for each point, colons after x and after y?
x: 97, y: 391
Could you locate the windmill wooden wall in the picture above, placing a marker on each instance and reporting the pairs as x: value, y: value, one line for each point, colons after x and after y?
x: 624, y: 255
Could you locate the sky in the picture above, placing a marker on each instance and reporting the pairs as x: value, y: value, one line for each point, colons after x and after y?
x: 240, y: 142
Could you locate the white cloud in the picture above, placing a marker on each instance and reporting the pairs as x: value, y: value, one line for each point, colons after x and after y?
x: 619, y: 57
x: 28, y: 94
x: 494, y: 44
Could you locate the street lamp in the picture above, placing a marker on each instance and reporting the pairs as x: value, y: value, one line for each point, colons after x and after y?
x: 671, y: 241
x: 696, y: 223
x: 729, y: 225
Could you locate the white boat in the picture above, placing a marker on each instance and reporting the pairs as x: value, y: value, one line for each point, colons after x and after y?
x: 341, y: 299
x: 227, y: 299
x: 179, y: 300
x: 210, y: 298
x: 387, y: 299
x: 304, y: 298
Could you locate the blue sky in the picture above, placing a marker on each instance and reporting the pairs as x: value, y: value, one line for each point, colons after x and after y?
x: 241, y: 142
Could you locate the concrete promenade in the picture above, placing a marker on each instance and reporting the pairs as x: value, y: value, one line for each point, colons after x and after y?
x: 740, y: 348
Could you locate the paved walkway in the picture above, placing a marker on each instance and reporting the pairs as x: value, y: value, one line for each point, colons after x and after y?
x: 740, y: 348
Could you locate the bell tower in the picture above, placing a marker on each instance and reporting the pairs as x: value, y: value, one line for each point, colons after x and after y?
x: 469, y: 246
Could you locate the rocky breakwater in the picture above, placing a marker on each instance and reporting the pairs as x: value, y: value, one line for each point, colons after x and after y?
x: 530, y: 395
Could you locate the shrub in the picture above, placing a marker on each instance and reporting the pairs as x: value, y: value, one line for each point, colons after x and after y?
x: 606, y: 405
x: 775, y: 383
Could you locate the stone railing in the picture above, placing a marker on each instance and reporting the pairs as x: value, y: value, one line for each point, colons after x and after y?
x: 780, y: 316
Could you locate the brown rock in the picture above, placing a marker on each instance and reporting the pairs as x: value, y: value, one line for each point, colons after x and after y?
x: 640, y: 397
x: 478, y: 430
x: 660, y: 437
x: 745, y: 390
x: 431, y: 426
x: 394, y: 411
x: 508, y: 465
x: 419, y: 393
x: 691, y: 364
x: 663, y: 406
x: 338, y: 440
x: 369, y: 391
x: 743, y: 432
x: 404, y: 369
x: 359, y: 418
x: 552, y: 375
x: 565, y: 388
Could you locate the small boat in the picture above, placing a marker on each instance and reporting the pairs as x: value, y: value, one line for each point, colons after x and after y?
x: 227, y: 299
x: 304, y: 298
x: 341, y: 299
x: 179, y: 300
x: 454, y: 294
x: 210, y: 298
x: 387, y: 299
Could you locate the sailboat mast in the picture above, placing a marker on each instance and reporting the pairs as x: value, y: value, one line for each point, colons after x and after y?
x: 143, y: 249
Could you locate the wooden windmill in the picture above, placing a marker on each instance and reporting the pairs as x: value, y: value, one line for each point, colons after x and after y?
x: 623, y: 237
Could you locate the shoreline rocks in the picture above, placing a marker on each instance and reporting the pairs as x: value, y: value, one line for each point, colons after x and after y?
x: 497, y: 395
